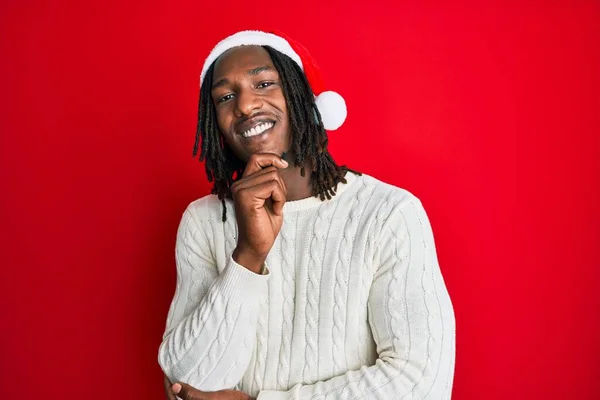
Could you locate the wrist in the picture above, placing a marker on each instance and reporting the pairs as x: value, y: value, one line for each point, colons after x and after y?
x: 249, y: 260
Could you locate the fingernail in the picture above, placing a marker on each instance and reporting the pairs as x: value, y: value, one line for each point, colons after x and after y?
x: 284, y: 162
x: 176, y: 388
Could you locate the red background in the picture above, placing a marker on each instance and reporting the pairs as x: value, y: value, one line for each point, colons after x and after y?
x: 488, y: 113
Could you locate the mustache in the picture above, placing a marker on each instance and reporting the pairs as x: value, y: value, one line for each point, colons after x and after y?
x: 256, y: 115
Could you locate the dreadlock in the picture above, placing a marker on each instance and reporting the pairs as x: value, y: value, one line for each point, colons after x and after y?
x: 309, y: 139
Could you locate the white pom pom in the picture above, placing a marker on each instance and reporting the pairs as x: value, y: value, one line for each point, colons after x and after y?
x: 332, y: 108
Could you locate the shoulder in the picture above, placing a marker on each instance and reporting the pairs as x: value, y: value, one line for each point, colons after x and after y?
x: 207, y: 209
x: 387, y: 195
x: 392, y: 208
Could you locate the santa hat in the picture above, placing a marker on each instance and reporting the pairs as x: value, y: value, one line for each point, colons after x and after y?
x: 331, y: 105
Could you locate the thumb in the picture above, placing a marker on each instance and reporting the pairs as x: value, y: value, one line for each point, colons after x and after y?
x: 186, y: 392
x: 259, y: 161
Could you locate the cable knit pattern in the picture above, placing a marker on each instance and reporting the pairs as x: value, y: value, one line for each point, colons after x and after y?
x: 341, y: 283
x: 288, y: 291
x: 354, y: 305
x: 319, y: 236
x: 365, y: 335
x: 261, y: 345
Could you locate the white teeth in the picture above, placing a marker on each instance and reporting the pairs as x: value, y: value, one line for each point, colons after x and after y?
x: 257, y: 130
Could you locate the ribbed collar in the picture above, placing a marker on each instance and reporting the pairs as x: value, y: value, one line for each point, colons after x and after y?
x: 312, y: 202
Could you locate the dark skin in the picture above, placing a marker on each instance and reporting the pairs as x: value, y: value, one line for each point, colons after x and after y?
x: 186, y: 392
x: 247, y: 93
x: 246, y: 90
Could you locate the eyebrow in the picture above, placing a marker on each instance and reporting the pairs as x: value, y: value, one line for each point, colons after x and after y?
x: 253, y: 72
x: 258, y: 70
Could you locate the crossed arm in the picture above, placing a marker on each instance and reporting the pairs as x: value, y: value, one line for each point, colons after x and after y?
x: 410, y: 315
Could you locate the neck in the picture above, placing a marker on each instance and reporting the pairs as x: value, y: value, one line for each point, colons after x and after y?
x: 299, y: 187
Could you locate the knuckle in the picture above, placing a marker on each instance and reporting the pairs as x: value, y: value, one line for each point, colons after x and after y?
x: 242, y: 194
x: 188, y: 394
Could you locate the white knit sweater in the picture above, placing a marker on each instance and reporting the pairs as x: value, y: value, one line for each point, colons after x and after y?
x: 353, y: 305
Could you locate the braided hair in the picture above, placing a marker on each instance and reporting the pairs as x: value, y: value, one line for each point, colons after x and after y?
x: 309, y: 139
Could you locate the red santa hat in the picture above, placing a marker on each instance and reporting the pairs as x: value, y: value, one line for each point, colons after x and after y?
x: 331, y: 105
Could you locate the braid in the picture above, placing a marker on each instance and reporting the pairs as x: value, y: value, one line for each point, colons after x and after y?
x: 309, y: 139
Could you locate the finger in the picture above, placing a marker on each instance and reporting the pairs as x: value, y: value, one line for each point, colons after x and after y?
x: 264, y: 171
x: 186, y: 392
x: 259, y: 161
x: 267, y: 174
x: 279, y: 199
x: 270, y: 190
x: 167, y: 386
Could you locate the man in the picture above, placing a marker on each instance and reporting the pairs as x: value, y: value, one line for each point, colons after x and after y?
x: 298, y: 278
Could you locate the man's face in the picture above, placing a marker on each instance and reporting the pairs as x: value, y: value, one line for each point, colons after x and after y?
x: 251, y: 109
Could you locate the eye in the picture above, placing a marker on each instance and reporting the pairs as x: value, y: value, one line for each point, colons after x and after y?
x: 264, y: 85
x: 225, y: 98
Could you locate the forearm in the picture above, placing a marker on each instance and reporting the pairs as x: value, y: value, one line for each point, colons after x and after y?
x: 211, y: 347
x: 416, y: 364
x: 411, y: 319
x: 387, y: 379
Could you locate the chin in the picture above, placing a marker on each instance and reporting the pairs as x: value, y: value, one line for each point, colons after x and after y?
x: 265, y: 150
x: 264, y: 147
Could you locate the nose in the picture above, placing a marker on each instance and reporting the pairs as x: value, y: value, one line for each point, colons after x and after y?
x: 247, y: 102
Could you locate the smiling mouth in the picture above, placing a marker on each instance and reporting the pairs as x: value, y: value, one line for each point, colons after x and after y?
x: 258, y: 129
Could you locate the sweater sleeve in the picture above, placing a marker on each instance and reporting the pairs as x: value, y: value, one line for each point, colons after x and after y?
x: 411, y: 318
x: 211, y: 324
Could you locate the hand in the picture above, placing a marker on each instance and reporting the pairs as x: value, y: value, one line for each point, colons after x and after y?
x: 259, y: 197
x: 169, y: 394
x: 186, y: 392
